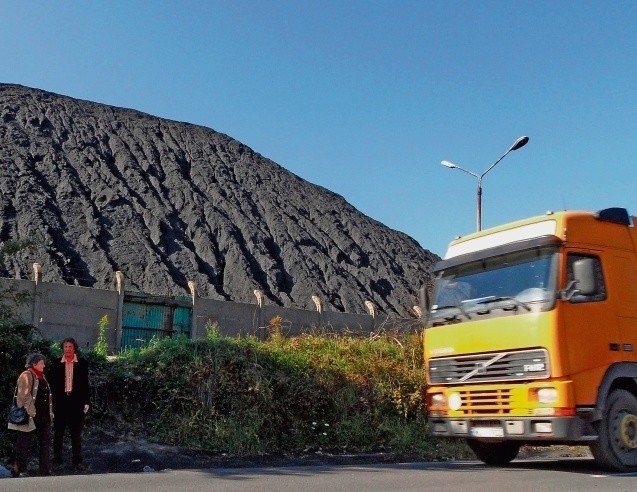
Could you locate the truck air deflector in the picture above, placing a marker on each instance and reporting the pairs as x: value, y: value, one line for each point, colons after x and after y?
x: 498, y: 237
x: 616, y: 215
x: 536, y: 242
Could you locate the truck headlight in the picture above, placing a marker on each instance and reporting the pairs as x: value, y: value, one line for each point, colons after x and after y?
x: 547, y: 395
x: 455, y: 401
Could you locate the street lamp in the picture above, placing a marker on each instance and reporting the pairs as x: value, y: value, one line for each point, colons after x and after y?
x: 520, y: 142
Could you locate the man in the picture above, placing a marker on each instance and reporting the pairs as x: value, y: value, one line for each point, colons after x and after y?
x: 70, y: 388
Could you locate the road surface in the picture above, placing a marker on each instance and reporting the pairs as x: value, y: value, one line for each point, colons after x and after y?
x: 577, y: 474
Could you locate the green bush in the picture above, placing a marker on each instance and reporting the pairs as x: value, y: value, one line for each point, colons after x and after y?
x: 244, y: 396
x: 101, y: 347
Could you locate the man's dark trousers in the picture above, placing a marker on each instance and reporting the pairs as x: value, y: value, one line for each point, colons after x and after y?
x: 68, y: 414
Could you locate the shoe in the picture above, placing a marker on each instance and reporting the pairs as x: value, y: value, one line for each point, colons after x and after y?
x: 80, y: 467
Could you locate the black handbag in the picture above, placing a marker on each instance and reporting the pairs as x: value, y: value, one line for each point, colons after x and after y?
x: 17, y: 415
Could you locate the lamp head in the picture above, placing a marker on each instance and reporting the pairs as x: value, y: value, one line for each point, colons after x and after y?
x: 520, y: 142
x: 448, y: 164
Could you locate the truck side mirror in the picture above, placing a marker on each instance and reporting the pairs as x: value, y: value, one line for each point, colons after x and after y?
x: 583, y: 282
x: 584, y: 273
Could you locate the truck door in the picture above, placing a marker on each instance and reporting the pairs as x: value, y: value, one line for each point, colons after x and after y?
x: 591, y: 336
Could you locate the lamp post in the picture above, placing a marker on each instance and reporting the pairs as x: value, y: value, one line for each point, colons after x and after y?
x: 520, y: 142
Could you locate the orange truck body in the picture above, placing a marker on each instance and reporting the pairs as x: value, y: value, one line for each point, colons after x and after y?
x: 520, y: 350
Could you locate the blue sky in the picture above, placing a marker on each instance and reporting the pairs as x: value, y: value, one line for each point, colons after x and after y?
x: 365, y: 98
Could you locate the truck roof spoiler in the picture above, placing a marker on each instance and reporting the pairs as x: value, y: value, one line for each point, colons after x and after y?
x: 535, y: 242
x: 616, y: 215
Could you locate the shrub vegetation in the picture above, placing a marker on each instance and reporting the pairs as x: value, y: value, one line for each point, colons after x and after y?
x: 319, y: 392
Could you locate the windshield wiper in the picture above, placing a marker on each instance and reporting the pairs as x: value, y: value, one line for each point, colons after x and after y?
x: 517, y: 302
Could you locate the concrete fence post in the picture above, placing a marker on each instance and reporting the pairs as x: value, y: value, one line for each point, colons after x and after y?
x: 319, y: 307
x: 119, y: 314
x: 192, y: 285
x: 258, y: 314
x: 317, y: 302
x: 35, y: 302
x: 371, y: 309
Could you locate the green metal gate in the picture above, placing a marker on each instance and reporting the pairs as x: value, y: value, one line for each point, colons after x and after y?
x: 146, y: 317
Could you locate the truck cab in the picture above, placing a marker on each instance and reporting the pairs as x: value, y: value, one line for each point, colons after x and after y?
x: 531, y: 337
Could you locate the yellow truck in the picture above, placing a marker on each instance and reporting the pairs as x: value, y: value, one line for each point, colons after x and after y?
x: 531, y: 337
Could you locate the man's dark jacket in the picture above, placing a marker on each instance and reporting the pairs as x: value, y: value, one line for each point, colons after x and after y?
x: 80, y: 396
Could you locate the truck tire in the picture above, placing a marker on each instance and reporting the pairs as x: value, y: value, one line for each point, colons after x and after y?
x: 616, y: 445
x: 494, y: 453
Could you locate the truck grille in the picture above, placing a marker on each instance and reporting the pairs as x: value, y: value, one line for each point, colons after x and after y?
x: 480, y: 368
x: 498, y: 401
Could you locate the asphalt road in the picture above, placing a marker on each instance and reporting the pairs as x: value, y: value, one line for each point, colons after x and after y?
x: 576, y: 474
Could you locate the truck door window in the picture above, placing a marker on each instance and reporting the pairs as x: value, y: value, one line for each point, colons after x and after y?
x: 600, y: 287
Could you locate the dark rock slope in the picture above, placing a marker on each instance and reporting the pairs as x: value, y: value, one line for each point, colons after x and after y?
x: 92, y: 189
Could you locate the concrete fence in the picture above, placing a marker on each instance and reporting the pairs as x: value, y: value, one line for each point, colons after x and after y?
x: 60, y: 311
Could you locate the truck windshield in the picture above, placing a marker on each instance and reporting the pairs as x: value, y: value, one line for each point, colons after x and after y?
x: 523, y: 279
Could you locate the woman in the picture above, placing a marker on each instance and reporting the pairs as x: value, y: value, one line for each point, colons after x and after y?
x: 34, y: 394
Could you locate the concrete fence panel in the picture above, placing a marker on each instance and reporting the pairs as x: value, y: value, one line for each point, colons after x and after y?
x: 232, y: 318
x: 60, y: 311
x: 17, y: 296
x: 70, y: 311
x: 289, y: 321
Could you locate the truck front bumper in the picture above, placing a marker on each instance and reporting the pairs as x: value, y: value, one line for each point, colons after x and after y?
x: 563, y: 429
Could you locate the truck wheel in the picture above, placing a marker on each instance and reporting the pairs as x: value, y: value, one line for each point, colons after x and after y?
x: 494, y: 453
x: 616, y: 445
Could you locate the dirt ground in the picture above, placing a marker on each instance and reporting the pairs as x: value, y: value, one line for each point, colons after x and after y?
x: 107, y: 453
x: 104, y: 453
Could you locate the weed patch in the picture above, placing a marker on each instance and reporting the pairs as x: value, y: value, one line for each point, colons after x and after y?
x: 317, y: 392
